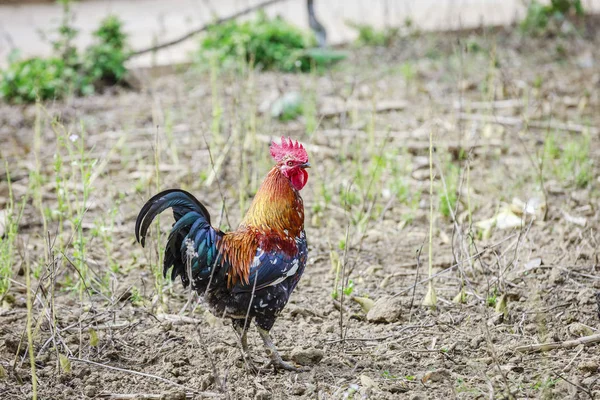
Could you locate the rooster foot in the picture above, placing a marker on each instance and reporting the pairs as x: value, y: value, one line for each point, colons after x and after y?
x: 276, y: 360
x: 278, y: 364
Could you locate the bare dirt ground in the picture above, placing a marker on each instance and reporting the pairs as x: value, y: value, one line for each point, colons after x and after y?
x: 511, y: 118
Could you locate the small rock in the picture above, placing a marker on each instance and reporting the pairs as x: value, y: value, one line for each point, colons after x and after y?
x: 586, y: 296
x: 298, y: 389
x: 590, y: 381
x: 386, y: 309
x: 496, y: 319
x: 556, y: 276
x: 367, y: 381
x: 397, y: 388
x: 90, y: 391
x: 578, y: 329
x: 307, y: 356
x: 476, y: 341
x: 588, y: 366
x: 174, y: 395
x: 263, y: 395
x: 435, y: 376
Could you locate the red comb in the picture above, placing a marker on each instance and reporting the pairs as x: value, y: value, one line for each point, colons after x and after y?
x: 288, y: 149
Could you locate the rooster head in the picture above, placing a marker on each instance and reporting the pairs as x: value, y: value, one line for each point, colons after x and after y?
x: 292, y: 161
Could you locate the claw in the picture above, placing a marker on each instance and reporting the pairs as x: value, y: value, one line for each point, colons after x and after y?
x: 280, y: 364
x: 276, y: 360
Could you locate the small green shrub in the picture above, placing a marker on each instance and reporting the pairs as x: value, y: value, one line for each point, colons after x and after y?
x: 539, y: 16
x: 264, y: 42
x: 68, y: 72
x: 25, y: 81
x: 105, y: 60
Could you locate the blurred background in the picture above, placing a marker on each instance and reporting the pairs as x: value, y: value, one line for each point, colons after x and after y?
x: 29, y: 25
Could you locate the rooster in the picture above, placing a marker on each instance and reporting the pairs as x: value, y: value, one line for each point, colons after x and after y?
x: 247, y: 274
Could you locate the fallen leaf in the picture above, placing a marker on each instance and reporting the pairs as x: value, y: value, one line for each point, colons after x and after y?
x: 65, y: 363
x: 93, y: 337
x: 533, y: 263
x: 506, y: 219
x: 581, y: 221
x: 365, y: 303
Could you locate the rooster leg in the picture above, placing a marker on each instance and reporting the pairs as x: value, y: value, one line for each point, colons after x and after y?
x: 242, y: 331
x: 276, y: 360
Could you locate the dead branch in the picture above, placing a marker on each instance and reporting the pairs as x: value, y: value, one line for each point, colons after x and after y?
x: 585, y: 340
x: 145, y: 396
x: 203, y: 28
x: 178, y: 319
x: 518, y: 122
x: 380, y: 107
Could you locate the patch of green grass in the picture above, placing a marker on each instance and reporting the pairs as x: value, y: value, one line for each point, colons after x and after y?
x: 388, y: 375
x: 575, y: 162
x: 449, y: 196
x: 9, y: 220
x: 544, y: 384
x: 492, y: 298
x: 572, y: 163
x: 370, y: 36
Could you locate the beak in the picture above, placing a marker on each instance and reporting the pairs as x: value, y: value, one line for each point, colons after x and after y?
x: 305, y: 165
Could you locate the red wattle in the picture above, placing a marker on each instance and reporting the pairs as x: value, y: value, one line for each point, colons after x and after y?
x: 299, y: 179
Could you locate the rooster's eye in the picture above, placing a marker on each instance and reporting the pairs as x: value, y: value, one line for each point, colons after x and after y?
x: 289, y: 163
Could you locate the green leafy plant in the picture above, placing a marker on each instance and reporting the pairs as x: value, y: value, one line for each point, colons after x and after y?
x: 27, y: 80
x: 264, y: 42
x: 105, y: 60
x: 68, y: 71
x: 539, y: 16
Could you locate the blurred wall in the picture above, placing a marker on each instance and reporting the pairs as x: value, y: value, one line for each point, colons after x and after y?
x: 24, y: 25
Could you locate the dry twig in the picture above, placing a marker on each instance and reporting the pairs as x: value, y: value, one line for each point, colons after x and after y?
x: 585, y: 340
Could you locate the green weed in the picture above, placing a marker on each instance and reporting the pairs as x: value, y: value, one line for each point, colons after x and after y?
x: 263, y: 42
x: 539, y: 16
x: 572, y: 163
x: 448, y: 197
x: 9, y: 220
x: 68, y: 71
x: 370, y: 36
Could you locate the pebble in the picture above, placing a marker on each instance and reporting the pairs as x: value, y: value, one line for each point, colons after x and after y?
x: 578, y: 329
x: 263, y: 395
x: 436, y: 376
x: 386, y: 309
x: 476, y: 341
x: 90, y: 391
x: 588, y: 366
x: 307, y: 356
